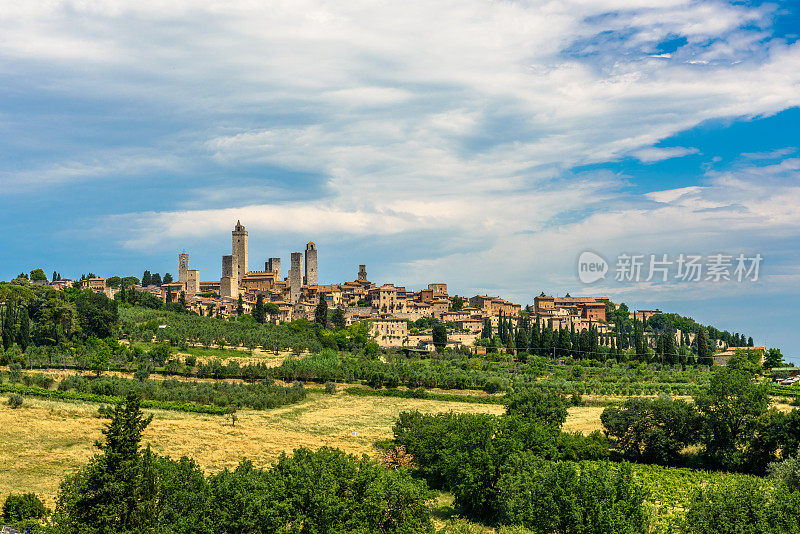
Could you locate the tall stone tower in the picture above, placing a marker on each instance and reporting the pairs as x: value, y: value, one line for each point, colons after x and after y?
x: 228, y: 285
x: 239, y: 239
x: 311, y: 264
x: 362, y: 273
x: 193, y: 282
x: 296, y: 277
x: 183, y: 268
x: 227, y: 266
x: 273, y: 265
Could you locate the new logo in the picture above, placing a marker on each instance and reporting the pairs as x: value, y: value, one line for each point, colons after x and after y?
x: 591, y: 267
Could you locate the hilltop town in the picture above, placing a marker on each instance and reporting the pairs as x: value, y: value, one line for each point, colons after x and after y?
x: 390, y: 310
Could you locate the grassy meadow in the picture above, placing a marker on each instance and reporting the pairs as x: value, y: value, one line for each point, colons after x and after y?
x: 44, y: 440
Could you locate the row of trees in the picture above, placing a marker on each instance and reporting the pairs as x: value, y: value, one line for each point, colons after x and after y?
x: 43, y: 316
x: 155, y: 279
x: 730, y: 421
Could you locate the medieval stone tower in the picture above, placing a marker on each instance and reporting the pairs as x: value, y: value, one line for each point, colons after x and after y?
x: 239, y: 239
x: 228, y: 284
x: 273, y: 265
x: 296, y: 276
x: 183, y: 268
x: 362, y: 272
x: 311, y: 264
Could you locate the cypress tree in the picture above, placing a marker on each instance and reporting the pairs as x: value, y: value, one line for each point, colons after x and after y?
x: 521, y: 339
x: 321, y: 313
x: 486, y: 333
x: 670, y: 351
x: 703, y: 352
x: 24, y: 332
x: 8, y: 327
x: 146, y: 279
x: 240, y: 306
x: 259, y: 312
x: 535, y: 343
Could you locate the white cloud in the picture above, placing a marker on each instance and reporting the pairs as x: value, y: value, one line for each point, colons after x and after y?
x: 653, y: 154
x: 460, y: 118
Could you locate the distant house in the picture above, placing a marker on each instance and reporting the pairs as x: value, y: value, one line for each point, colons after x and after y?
x: 721, y: 358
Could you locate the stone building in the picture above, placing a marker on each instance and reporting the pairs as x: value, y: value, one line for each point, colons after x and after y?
x: 228, y: 285
x: 389, y: 331
x: 192, y: 282
x: 183, y: 267
x: 311, y: 264
x: 362, y: 273
x: 273, y: 265
x: 295, y: 277
x: 239, y: 242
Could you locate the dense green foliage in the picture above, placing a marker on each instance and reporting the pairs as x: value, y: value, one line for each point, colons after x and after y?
x: 467, y: 454
x: 571, y: 498
x: 23, y: 508
x: 730, y: 419
x: 741, y: 505
x: 652, y: 430
x: 126, y: 490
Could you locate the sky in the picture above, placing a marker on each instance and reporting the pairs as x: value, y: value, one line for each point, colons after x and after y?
x: 486, y: 144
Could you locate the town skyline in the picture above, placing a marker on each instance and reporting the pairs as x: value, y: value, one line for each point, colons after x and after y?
x: 298, y: 293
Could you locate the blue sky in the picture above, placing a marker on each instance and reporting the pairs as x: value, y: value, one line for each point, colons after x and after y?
x: 485, y: 144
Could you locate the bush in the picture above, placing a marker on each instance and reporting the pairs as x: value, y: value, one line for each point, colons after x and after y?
x: 652, y: 430
x: 571, y: 498
x: 42, y: 381
x: 322, y: 491
x: 15, y: 373
x: 787, y: 473
x: 330, y: 388
x: 536, y: 406
x: 493, y: 385
x: 741, y: 504
x: 25, y: 507
x: 14, y: 401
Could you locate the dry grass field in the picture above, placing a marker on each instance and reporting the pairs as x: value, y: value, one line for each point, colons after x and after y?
x: 45, y: 440
x: 584, y: 419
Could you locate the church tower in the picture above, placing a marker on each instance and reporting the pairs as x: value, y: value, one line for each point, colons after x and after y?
x: 183, y: 268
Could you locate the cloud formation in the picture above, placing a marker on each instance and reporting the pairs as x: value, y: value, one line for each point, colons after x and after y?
x: 466, y: 120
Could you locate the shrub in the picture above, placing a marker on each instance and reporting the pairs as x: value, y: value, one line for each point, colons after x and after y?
x: 24, y: 507
x: 322, y: 491
x: 42, y: 381
x: 571, y: 498
x: 652, y: 430
x: 536, y: 406
x: 741, y: 504
x: 330, y: 388
x: 15, y: 401
x: 15, y: 373
x: 493, y: 385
